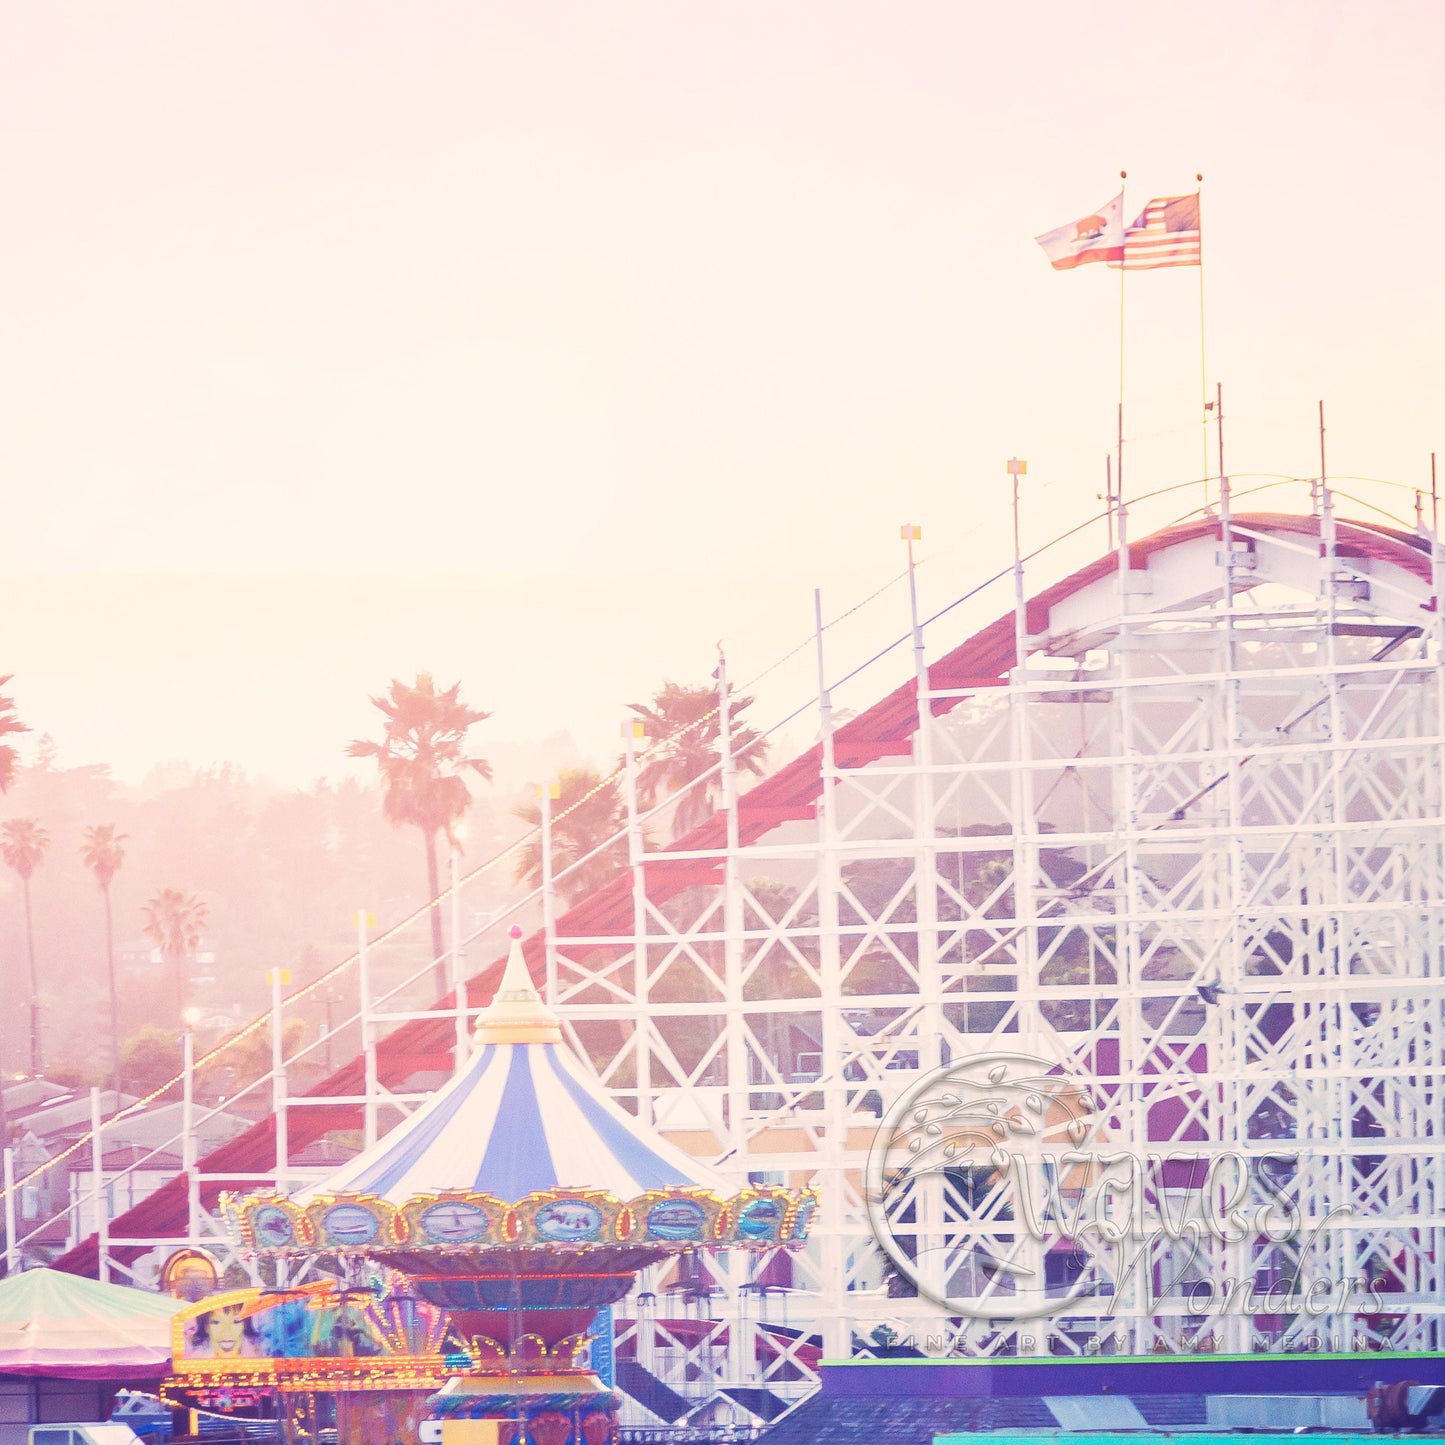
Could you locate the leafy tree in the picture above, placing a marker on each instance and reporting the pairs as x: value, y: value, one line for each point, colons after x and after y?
x: 244, y: 1056
x: 9, y: 725
x: 71, y: 1076
x: 174, y: 922
x: 424, y: 765
x: 684, y: 725
x: 102, y: 854
x: 587, y: 812
x: 151, y: 1058
x: 23, y: 843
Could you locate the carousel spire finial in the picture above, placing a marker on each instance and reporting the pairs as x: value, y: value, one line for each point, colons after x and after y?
x: 516, y: 1014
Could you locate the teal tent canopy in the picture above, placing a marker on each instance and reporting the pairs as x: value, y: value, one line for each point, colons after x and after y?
x: 63, y: 1325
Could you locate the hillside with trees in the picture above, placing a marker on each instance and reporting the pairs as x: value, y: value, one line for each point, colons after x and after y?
x: 124, y: 908
x: 278, y: 872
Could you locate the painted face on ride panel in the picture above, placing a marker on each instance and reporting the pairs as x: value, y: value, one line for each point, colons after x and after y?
x: 226, y: 1330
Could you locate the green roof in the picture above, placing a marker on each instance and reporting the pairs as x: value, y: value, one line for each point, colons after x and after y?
x: 50, y: 1294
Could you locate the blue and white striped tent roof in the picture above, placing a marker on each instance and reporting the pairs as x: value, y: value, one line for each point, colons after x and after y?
x: 523, y: 1115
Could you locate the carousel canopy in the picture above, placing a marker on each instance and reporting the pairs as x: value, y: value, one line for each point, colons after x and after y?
x: 64, y: 1326
x: 523, y: 1115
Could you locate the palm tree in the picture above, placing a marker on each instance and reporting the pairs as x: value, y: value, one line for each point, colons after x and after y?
x: 23, y: 843
x: 102, y: 854
x: 174, y: 922
x: 683, y: 721
x: 423, y: 763
x: 9, y: 724
x: 586, y: 813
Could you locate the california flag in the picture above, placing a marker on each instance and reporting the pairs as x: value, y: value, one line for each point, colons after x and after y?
x: 1098, y: 236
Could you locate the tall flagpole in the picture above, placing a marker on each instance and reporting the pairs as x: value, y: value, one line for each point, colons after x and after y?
x: 1219, y: 423
x: 1203, y: 369
x: 1109, y: 496
x: 1123, y: 271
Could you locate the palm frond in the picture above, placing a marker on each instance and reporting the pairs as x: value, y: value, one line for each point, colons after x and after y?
x: 421, y: 756
x: 683, y: 723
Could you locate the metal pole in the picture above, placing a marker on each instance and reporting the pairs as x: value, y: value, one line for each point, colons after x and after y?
x: 12, y: 1248
x: 925, y: 856
x: 733, y: 915
x: 368, y: 1029
x: 1109, y: 497
x: 459, y: 992
x: 1023, y: 824
x: 1130, y: 1104
x: 278, y: 1078
x: 97, y: 1174
x: 1434, y: 507
x: 636, y: 839
x: 547, y: 793
x: 1123, y: 271
x: 928, y: 1030
x: 1219, y: 425
x: 188, y: 1134
x: 728, y: 763
x: 1018, y: 469
x: 1227, y: 1059
x: 833, y: 1220
x: 1203, y: 368
x: 1436, y: 636
x: 825, y: 700
x: 1333, y: 927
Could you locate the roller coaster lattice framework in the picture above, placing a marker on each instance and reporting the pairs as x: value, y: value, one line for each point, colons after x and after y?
x: 1190, y: 849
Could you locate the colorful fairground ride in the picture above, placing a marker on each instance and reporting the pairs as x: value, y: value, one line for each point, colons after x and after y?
x: 499, y: 1223
x: 323, y: 1360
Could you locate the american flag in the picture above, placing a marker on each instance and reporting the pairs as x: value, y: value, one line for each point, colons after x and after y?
x: 1166, y: 234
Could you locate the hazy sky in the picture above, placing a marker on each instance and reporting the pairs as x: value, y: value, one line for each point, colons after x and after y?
x: 543, y: 344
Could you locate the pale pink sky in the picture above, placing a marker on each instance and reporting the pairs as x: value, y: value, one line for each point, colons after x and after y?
x: 550, y: 299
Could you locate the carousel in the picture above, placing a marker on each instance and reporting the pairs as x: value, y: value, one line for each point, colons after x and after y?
x: 521, y: 1203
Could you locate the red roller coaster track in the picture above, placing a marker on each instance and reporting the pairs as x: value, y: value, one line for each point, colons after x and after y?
x: 884, y: 730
